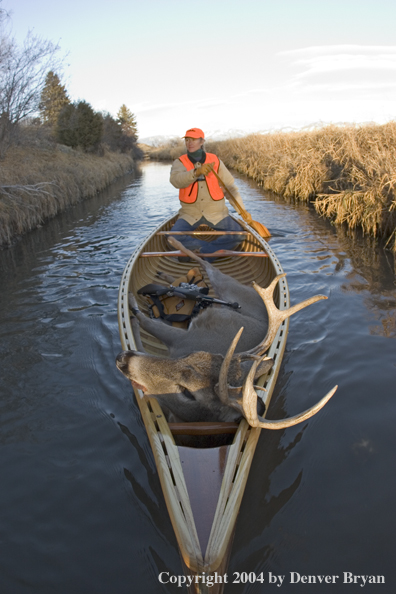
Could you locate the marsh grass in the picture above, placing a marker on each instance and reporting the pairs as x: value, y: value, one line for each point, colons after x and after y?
x: 348, y: 173
x: 168, y: 152
x: 37, y: 183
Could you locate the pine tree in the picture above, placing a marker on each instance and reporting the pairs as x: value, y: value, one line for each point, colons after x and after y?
x: 78, y: 125
x: 112, y: 135
x: 66, y: 126
x: 128, y: 122
x: 89, y: 126
x: 53, y: 99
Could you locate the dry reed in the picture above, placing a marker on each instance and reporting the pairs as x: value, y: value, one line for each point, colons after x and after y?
x: 36, y: 184
x: 349, y: 173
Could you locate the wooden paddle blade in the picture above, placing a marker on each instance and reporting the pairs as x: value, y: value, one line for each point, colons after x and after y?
x: 260, y: 228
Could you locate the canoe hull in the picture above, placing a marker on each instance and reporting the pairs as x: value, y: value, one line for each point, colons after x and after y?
x: 204, y: 550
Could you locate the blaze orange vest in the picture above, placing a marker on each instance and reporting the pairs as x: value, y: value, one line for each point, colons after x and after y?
x: 189, y: 194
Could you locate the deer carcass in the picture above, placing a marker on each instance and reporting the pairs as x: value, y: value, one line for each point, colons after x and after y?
x: 210, y: 373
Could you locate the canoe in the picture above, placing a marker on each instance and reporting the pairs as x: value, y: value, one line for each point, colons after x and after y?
x: 202, y: 486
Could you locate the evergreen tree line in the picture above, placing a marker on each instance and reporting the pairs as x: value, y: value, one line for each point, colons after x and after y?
x: 30, y: 86
x: 79, y: 126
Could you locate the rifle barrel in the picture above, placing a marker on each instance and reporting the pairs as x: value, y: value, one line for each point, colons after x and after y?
x: 198, y: 296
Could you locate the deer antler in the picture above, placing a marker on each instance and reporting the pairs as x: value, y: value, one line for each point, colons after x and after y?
x: 249, y: 398
x: 222, y: 386
x: 275, y: 315
x: 249, y: 404
x: 275, y: 318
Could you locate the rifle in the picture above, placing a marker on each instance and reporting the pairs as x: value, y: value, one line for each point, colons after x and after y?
x: 186, y: 291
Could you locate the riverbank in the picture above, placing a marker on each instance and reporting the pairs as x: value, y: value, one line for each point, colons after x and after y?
x: 348, y: 173
x: 37, y: 183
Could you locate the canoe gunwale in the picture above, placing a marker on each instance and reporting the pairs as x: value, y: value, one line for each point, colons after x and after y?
x: 165, y: 450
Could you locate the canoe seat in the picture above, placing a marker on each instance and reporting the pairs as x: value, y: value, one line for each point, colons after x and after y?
x: 206, y: 428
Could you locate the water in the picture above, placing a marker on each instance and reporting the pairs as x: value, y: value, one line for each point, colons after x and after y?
x: 81, y: 508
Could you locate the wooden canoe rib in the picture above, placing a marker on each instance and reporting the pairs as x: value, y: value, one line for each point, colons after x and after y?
x: 203, y: 508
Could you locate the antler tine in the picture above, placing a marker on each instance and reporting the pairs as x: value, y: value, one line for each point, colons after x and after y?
x: 223, y: 384
x: 249, y: 404
x: 275, y: 315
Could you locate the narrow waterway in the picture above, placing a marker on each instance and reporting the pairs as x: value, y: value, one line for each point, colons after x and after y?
x: 81, y: 510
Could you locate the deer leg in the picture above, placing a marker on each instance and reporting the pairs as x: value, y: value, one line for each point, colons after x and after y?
x: 169, y: 335
x: 225, y: 286
x: 136, y: 333
x: 166, y: 277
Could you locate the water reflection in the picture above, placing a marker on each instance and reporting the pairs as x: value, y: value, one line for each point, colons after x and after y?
x: 83, y: 509
x: 368, y: 267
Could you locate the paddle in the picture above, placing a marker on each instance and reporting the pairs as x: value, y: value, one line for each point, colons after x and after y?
x: 259, y: 227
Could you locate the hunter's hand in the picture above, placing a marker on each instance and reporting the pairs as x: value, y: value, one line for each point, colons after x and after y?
x: 204, y: 169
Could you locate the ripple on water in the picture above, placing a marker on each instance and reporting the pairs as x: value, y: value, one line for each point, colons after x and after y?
x: 82, y: 510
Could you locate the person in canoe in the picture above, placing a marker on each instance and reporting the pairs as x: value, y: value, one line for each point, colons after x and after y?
x: 201, y: 196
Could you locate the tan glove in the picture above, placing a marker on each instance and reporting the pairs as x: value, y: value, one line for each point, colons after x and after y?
x: 204, y: 169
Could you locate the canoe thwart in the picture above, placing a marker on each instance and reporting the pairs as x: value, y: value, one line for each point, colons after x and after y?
x: 222, y: 254
x: 241, y: 232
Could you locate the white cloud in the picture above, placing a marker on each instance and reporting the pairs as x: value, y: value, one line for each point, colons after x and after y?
x: 342, y: 62
x: 336, y: 49
x: 342, y: 87
x: 314, y: 61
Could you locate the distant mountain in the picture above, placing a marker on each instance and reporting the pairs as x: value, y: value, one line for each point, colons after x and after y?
x: 224, y: 135
x: 210, y: 135
x: 158, y: 140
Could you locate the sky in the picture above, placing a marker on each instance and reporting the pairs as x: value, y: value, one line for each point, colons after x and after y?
x: 225, y: 66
